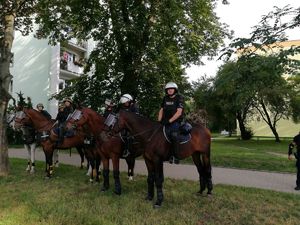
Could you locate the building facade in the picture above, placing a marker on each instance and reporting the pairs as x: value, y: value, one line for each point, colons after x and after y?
x: 40, y: 70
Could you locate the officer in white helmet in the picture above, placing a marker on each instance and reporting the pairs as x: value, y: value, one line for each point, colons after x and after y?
x: 128, y: 104
x: 171, y: 115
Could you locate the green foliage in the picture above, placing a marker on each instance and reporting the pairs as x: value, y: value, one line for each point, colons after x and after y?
x: 141, y: 45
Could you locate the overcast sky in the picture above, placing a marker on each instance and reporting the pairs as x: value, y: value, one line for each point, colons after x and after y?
x: 241, y: 16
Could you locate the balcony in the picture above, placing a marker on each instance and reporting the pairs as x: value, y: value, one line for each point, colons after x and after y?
x: 70, y: 70
x: 76, y: 45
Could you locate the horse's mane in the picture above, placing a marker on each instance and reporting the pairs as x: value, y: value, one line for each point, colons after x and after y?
x: 39, y: 114
x: 93, y: 113
x: 144, y: 119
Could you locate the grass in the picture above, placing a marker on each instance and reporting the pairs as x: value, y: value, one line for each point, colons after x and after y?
x: 258, y: 154
x: 70, y: 199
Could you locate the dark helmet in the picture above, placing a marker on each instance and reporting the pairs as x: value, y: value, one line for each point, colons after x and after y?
x: 40, y: 105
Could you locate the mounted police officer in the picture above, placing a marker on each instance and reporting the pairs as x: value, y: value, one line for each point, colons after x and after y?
x: 109, y: 105
x: 65, y: 110
x: 296, y: 141
x: 40, y: 108
x: 171, y: 115
x: 128, y: 104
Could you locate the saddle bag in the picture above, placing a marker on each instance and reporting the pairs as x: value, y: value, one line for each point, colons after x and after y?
x: 185, y: 128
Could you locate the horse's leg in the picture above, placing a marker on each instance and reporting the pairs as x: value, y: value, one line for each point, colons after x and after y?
x: 27, y: 147
x: 105, y: 174
x: 32, y: 151
x: 116, y: 173
x: 98, y: 162
x: 159, y: 179
x: 49, y: 161
x: 150, y: 179
x: 81, y: 153
x: 92, y: 165
x: 130, y: 162
x: 207, y: 172
x: 198, y: 163
x: 55, y: 157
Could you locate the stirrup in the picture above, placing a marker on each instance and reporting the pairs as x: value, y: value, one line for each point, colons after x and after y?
x: 126, y: 153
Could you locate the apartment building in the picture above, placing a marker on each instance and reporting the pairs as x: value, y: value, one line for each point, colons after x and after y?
x: 40, y: 70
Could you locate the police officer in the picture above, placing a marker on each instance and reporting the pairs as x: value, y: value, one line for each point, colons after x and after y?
x: 296, y: 141
x: 109, y: 105
x: 171, y: 115
x: 40, y: 108
x: 64, y: 111
x: 128, y: 104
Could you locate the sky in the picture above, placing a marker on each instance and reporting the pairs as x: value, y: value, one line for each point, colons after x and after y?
x: 241, y: 16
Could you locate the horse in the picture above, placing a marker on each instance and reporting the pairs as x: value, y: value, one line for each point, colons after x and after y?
x: 108, y: 147
x: 44, y: 126
x: 157, y: 150
x: 29, y: 140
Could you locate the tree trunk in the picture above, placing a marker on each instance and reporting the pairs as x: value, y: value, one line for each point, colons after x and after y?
x: 5, y: 82
x: 242, y: 126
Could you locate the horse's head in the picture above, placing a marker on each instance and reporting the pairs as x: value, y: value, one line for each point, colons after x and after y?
x: 76, y: 119
x: 22, y: 119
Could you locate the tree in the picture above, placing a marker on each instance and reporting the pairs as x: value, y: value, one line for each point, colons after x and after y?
x: 266, y: 61
x: 14, y: 15
x: 141, y: 45
x: 234, y: 85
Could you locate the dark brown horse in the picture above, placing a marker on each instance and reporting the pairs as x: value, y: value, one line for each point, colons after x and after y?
x: 108, y: 147
x: 157, y: 150
x: 49, y: 139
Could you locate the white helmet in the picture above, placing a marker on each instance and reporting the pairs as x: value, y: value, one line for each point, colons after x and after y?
x: 171, y: 85
x: 126, y: 98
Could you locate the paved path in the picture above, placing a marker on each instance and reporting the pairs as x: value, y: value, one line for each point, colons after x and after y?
x: 283, y: 182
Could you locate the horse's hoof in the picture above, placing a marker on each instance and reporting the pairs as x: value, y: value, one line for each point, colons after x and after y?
x: 157, y: 205
x: 117, y: 192
x: 91, y: 181
x: 130, y: 178
x: 209, y: 195
x: 149, y: 198
x: 103, y: 189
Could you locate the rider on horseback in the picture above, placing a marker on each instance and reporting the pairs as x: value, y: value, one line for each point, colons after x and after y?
x: 128, y: 104
x: 171, y: 115
x: 65, y: 110
x: 108, y: 107
x: 40, y: 108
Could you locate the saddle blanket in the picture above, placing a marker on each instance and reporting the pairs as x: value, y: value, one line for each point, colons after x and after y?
x: 182, y: 138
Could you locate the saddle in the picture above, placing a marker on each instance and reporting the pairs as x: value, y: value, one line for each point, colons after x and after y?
x: 184, y: 133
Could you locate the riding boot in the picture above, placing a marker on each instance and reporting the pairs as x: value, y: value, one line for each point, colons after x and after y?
x: 176, y: 148
x: 61, y: 134
x: 117, y: 182
x: 105, y: 180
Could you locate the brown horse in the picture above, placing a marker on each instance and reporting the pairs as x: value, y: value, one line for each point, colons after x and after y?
x: 157, y: 150
x: 108, y: 147
x: 49, y: 139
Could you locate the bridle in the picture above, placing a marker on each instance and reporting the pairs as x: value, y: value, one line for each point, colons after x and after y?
x: 114, y: 122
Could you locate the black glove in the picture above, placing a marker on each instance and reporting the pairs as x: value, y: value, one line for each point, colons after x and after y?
x: 165, y: 122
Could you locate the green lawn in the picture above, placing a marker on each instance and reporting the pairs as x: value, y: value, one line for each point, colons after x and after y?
x: 70, y: 199
x: 258, y: 154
